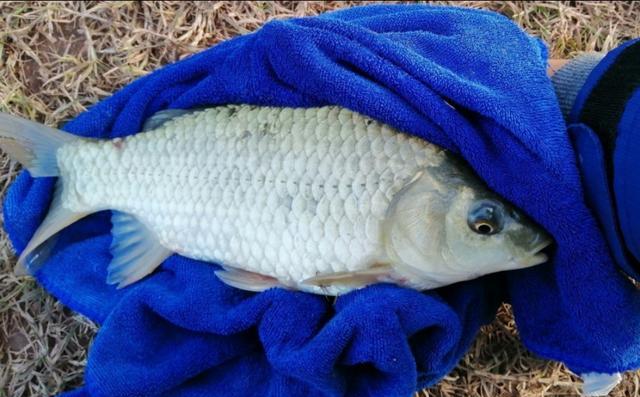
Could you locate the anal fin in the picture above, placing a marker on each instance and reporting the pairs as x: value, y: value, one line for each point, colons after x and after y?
x: 247, y: 281
x: 136, y: 250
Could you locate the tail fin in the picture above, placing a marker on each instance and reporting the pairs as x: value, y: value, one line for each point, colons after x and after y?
x: 33, y: 145
x: 44, y: 239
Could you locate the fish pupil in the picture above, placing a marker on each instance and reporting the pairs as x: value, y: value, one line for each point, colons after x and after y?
x: 484, y: 228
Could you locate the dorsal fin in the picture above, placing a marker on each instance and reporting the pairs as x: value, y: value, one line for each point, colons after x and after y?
x: 162, y: 116
x: 136, y: 250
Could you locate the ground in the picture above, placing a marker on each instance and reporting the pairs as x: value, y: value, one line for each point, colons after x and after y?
x: 58, y: 58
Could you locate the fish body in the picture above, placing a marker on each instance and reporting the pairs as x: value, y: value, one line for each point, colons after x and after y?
x: 322, y: 200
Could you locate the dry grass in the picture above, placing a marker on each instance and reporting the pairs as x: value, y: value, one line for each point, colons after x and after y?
x: 58, y: 58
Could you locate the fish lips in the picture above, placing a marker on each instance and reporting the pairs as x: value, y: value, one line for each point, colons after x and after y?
x: 537, y: 256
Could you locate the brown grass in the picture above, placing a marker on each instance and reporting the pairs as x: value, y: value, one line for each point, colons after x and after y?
x: 58, y: 58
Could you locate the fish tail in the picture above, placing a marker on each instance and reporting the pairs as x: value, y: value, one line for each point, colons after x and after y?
x: 35, y: 146
x: 32, y: 144
x: 40, y: 247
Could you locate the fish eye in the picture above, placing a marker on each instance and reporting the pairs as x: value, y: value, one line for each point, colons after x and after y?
x: 483, y: 228
x: 485, y: 217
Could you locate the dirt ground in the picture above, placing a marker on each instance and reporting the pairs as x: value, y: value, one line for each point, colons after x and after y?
x: 58, y: 58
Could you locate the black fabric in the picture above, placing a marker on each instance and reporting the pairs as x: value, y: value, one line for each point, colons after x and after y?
x: 604, y: 108
x: 606, y: 102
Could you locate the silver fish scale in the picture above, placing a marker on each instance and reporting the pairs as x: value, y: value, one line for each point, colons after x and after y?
x: 289, y: 193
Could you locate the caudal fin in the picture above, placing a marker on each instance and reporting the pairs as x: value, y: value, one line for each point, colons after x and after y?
x: 44, y: 239
x: 32, y: 144
x: 35, y: 146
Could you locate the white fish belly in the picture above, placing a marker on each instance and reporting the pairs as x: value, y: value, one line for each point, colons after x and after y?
x: 288, y: 193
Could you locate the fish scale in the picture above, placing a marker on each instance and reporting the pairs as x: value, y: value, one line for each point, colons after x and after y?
x: 308, y: 180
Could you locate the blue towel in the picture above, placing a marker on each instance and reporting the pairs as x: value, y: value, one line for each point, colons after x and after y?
x: 468, y: 80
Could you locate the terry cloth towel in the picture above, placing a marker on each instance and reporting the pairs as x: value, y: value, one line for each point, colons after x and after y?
x: 468, y: 80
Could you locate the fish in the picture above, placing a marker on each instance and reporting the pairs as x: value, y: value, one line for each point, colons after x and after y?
x: 323, y: 200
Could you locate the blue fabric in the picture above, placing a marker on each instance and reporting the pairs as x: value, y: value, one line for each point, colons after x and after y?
x: 468, y: 80
x: 614, y: 202
x: 626, y: 175
x: 591, y: 162
x: 595, y: 76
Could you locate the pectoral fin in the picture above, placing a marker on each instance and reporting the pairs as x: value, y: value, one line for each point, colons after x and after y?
x: 374, y: 274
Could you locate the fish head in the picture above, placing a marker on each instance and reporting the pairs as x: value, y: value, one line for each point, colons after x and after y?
x: 484, y: 234
x: 446, y: 226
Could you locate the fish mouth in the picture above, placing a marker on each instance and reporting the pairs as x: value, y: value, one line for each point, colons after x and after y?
x: 537, y: 257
